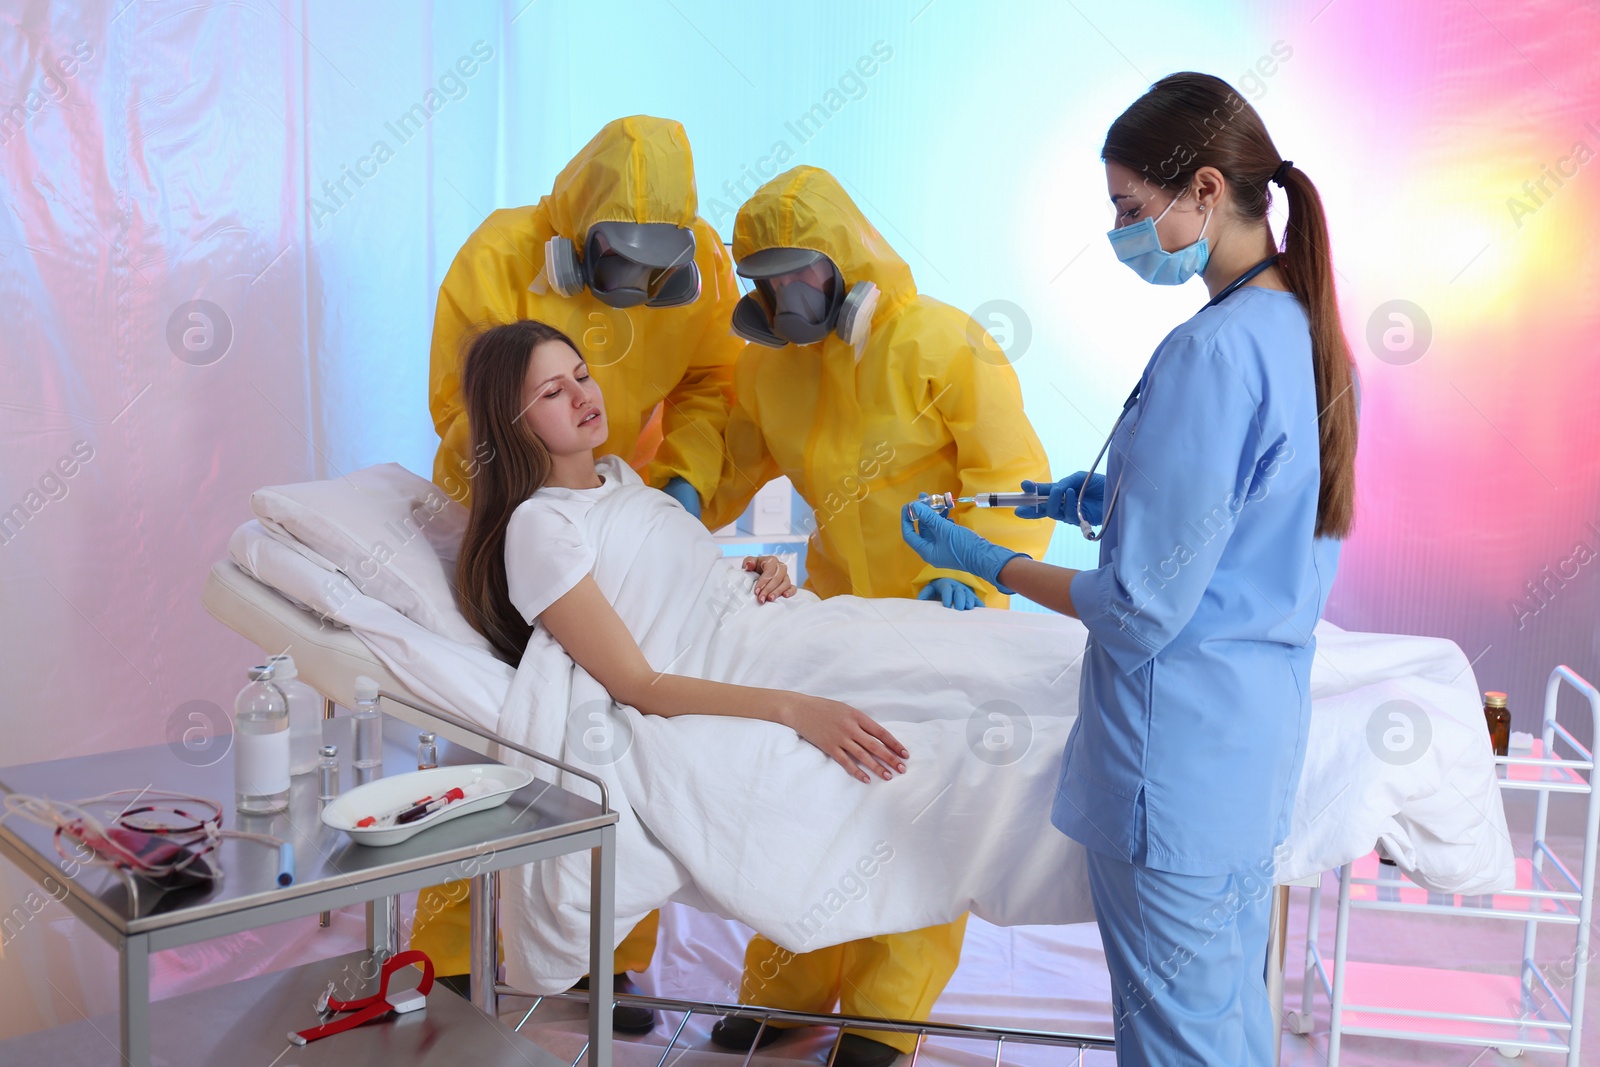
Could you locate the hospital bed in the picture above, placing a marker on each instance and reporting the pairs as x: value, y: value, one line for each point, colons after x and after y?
x: 329, y: 658
x: 285, y: 589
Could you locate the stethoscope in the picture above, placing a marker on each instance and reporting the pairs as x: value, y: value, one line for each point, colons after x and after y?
x: 1084, y: 525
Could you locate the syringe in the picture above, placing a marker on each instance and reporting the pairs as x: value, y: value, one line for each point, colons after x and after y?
x: 946, y: 501
x: 1005, y: 500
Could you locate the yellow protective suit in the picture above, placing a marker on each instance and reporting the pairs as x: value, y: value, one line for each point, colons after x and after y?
x: 635, y: 169
x: 929, y: 406
x: 442, y: 928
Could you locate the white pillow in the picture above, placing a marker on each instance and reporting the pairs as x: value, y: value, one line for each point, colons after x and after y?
x: 394, y: 534
x: 319, y: 589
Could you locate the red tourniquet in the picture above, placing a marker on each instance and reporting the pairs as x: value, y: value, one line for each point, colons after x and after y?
x: 376, y: 1006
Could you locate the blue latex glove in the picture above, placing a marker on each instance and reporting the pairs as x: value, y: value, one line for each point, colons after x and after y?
x: 951, y: 593
x: 949, y: 547
x: 685, y: 494
x: 1063, y: 505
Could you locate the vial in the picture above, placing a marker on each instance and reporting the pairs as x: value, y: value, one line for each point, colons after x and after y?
x: 369, y: 726
x: 328, y: 773
x: 427, y: 752
x: 1498, y: 717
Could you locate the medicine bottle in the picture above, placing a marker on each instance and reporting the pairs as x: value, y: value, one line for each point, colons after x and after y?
x: 261, y: 746
x: 328, y: 773
x: 1499, y: 719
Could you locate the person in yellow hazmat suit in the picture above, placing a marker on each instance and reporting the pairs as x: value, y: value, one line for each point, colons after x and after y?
x: 865, y: 393
x: 618, y: 258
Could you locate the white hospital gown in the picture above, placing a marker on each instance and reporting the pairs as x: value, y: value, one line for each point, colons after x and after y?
x: 895, y: 659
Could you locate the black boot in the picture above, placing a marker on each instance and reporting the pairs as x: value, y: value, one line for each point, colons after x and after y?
x: 858, y: 1051
x: 737, y: 1032
x: 625, y: 1018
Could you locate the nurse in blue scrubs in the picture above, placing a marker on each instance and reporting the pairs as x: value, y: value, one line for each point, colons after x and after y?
x: 1228, y: 487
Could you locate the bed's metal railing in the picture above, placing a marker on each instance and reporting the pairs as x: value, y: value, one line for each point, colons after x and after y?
x: 463, y: 723
x: 923, y: 1029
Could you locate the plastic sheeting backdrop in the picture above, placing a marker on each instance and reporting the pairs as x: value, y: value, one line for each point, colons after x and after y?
x: 225, y: 226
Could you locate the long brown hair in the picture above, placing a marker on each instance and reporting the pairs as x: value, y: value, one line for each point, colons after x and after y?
x: 1187, y: 121
x: 509, y: 465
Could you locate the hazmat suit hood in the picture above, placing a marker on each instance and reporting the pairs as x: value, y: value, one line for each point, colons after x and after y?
x: 636, y: 169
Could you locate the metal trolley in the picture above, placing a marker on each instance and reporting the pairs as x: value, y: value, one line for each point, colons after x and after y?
x: 1510, y: 1014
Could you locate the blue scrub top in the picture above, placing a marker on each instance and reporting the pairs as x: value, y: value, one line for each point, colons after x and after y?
x: 1195, y: 697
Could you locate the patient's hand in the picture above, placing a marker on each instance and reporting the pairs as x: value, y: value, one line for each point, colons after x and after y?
x: 774, y: 581
x: 854, y: 740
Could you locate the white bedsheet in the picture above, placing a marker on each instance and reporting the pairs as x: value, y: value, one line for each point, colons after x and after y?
x: 742, y: 818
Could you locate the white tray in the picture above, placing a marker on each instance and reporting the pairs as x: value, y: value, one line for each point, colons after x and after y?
x: 402, y: 790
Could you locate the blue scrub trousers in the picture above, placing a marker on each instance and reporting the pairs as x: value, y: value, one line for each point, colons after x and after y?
x: 1187, y: 956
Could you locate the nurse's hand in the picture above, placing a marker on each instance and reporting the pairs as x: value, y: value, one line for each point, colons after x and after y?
x: 685, y: 494
x: 951, y: 593
x: 774, y: 581
x: 852, y: 739
x: 951, y: 547
x: 1063, y: 503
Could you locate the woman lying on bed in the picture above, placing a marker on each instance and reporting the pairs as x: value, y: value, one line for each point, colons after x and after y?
x: 637, y: 593
x: 632, y: 598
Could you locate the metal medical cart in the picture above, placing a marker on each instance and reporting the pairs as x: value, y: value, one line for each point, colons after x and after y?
x: 1470, y: 1008
x: 253, y: 1017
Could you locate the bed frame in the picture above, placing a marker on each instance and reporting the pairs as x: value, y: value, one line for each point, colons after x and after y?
x: 329, y: 658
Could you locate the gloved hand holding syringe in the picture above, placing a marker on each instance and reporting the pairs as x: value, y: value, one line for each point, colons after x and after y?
x: 1042, y: 499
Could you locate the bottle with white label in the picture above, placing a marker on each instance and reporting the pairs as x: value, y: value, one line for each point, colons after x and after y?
x: 261, y: 745
x: 369, y: 727
x: 305, y: 714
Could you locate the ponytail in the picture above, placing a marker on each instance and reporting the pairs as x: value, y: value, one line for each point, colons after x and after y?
x: 1307, y: 265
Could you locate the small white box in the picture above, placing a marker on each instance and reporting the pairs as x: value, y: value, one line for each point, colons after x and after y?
x: 768, y: 514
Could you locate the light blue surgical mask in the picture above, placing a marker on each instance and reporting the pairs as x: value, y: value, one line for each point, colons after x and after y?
x: 1139, y: 246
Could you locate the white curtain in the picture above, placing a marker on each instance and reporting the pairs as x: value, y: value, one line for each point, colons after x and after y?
x: 202, y: 297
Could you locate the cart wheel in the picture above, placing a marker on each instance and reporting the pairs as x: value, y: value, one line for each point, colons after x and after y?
x: 1298, y: 1022
x: 1509, y: 1052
